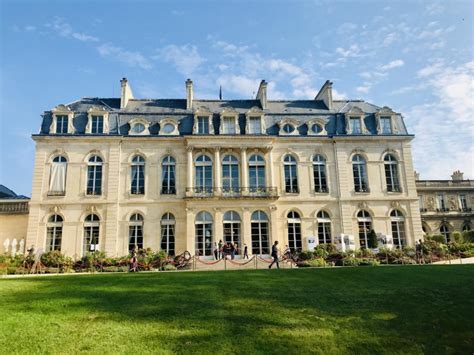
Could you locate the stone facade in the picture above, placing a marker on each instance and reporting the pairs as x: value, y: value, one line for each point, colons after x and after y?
x: 274, y: 163
x: 13, y: 218
x: 446, y: 205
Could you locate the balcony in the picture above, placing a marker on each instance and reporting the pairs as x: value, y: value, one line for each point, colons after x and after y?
x: 235, y: 192
x: 321, y: 190
x: 168, y: 191
x: 14, y: 207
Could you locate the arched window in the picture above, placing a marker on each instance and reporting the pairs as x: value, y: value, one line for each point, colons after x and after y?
x: 168, y: 176
x: 94, y: 176
x: 391, y: 173
x: 232, y: 228
x: 364, y: 222
x: 91, y: 233
x: 203, y: 174
x: 259, y: 232
x: 398, y: 229
x: 319, y: 174
x: 138, y: 175
x: 444, y: 230
x: 294, y: 231
x: 168, y: 223
x: 54, y: 233
x: 324, y: 228
x: 135, y: 233
x: 57, y: 179
x: 359, y: 169
x: 291, y: 174
x: 203, y: 225
x: 256, y: 173
x: 230, y: 174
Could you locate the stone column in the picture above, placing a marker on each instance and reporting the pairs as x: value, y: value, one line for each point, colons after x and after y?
x: 190, y: 241
x: 190, y: 182
x: 270, y: 173
x: 218, y: 227
x: 217, y: 171
x: 244, y: 170
x: 246, y: 230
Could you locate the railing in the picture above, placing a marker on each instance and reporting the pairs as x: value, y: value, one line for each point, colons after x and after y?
x: 56, y: 193
x: 200, y: 191
x: 13, y: 207
x: 321, y: 190
x: 234, y: 192
x: 362, y: 189
x: 394, y: 189
x: 292, y: 190
x: 168, y: 191
x: 443, y: 183
x: 92, y: 192
x: 442, y: 209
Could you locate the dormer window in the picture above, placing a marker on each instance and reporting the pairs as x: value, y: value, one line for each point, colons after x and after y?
x: 385, y: 119
x: 203, y: 125
x: 355, y: 125
x: 317, y: 126
x: 62, y: 120
x: 139, y: 127
x: 97, y: 121
x: 288, y: 127
x: 255, y: 123
x: 229, y: 121
x: 169, y: 127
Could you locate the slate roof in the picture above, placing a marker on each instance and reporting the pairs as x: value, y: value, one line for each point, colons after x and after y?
x: 7, y: 194
x: 154, y: 110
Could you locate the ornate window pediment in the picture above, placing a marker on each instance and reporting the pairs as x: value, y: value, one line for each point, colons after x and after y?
x: 203, y: 121
x: 169, y: 127
x: 97, y: 121
x: 62, y: 120
x: 288, y: 127
x: 317, y: 127
x: 139, y: 127
x: 386, y: 121
x: 229, y: 119
x: 254, y: 122
x: 355, y: 121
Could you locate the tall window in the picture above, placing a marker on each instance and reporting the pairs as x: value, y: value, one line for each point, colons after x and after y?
x: 355, y: 123
x: 168, y: 176
x: 97, y: 124
x: 319, y: 174
x: 441, y: 202
x: 291, y: 175
x: 54, y: 233
x: 359, y: 170
x: 398, y: 229
x: 62, y: 124
x: 324, y: 227
x: 256, y: 173
x: 203, y: 125
x: 391, y: 173
x: 168, y: 223
x: 138, y: 175
x: 91, y: 233
x: 255, y: 126
x: 294, y: 231
x: 94, y: 176
x: 230, y: 174
x: 203, y: 229
x: 203, y: 174
x: 228, y: 125
x: 135, y: 233
x: 364, y: 222
x: 463, y: 202
x: 444, y: 230
x: 421, y: 202
x: 57, y: 180
x: 259, y: 232
x: 231, y: 224
x: 385, y: 125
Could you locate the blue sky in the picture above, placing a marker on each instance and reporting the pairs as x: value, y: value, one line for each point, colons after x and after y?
x: 414, y: 56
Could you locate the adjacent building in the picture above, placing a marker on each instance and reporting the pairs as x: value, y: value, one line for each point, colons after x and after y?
x: 13, y: 219
x: 446, y: 205
x: 112, y: 174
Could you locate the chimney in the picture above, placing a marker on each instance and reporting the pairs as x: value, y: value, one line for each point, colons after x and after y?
x: 325, y: 94
x: 189, y: 94
x: 262, y: 94
x: 457, y: 176
x: 126, y: 93
x: 417, y: 175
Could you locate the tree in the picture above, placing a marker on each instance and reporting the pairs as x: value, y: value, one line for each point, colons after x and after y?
x: 373, y: 242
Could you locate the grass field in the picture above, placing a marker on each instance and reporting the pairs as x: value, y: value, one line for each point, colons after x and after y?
x: 409, y: 309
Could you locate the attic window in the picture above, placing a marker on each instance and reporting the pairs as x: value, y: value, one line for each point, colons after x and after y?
x: 97, y: 125
x: 255, y: 126
x: 316, y: 128
x: 356, y: 127
x: 288, y: 128
x: 203, y: 125
x: 138, y: 128
x: 62, y: 122
x: 386, y: 125
x: 169, y: 127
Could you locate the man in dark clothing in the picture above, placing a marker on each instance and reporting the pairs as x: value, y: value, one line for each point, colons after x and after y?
x: 246, y: 251
x: 274, y: 255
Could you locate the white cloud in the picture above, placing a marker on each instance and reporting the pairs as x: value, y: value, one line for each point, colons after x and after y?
x: 363, y: 89
x: 430, y: 69
x: 389, y: 39
x: 185, y: 58
x: 239, y: 84
x: 352, y: 51
x: 64, y: 29
x: 393, y: 64
x: 133, y: 59
x: 336, y: 95
x: 434, y: 8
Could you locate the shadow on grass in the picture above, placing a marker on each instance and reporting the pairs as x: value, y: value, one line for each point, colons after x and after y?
x: 360, y: 310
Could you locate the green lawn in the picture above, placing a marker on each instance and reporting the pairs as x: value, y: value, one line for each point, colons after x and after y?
x: 404, y: 309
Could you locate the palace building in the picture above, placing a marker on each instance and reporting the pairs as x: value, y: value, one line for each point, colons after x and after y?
x: 181, y: 174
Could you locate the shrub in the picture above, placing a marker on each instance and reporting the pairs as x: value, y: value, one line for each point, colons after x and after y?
x: 305, y: 255
x: 169, y: 267
x: 54, y: 259
x: 372, y: 240
x: 436, y: 238
x: 318, y: 262
x: 468, y: 236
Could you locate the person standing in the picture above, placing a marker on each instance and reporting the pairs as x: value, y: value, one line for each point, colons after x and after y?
x: 221, y: 255
x: 216, y: 251
x: 232, y: 251
x: 246, y: 251
x: 274, y: 255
